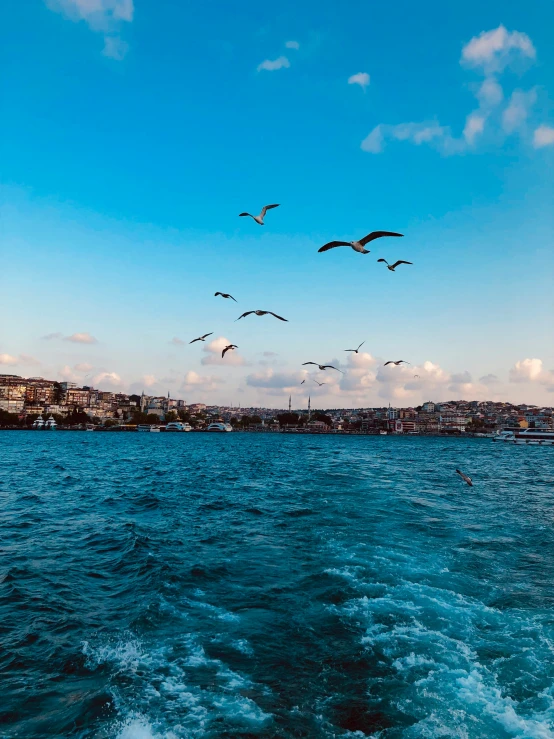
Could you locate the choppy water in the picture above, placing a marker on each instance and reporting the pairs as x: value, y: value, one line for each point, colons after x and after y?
x: 242, y: 585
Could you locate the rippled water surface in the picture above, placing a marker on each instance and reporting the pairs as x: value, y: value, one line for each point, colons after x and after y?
x: 242, y: 585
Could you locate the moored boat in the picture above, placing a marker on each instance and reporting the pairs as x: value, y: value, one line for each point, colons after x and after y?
x: 178, y: 426
x: 220, y: 427
x: 535, y: 437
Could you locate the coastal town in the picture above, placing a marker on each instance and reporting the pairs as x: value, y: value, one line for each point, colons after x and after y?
x: 64, y: 405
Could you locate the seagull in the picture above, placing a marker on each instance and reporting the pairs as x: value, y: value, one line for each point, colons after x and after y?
x: 201, y: 338
x: 320, y: 383
x: 260, y: 219
x: 465, y: 478
x: 303, y: 381
x: 261, y: 313
x: 419, y: 378
x: 227, y: 348
x: 224, y: 295
x: 359, y: 245
x: 399, y: 361
x: 355, y: 350
x: 392, y: 267
x: 323, y: 366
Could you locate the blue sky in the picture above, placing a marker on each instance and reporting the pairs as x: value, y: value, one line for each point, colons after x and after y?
x: 134, y: 132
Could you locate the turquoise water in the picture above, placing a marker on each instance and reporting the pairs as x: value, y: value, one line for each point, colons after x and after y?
x: 243, y: 585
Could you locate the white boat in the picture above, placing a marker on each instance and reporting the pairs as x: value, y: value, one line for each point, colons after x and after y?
x: 38, y: 423
x: 535, y: 437
x: 220, y: 427
x: 51, y: 424
x: 178, y: 426
x: 147, y: 427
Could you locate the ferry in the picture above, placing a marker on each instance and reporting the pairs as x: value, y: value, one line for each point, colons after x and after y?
x: 147, y: 427
x: 536, y: 437
x: 48, y: 425
x: 178, y: 426
x: 219, y: 427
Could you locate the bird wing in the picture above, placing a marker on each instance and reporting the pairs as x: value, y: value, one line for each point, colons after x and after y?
x: 248, y: 312
x: 377, y: 235
x: 206, y: 335
x: 382, y: 260
x: 400, y: 261
x: 358, y: 349
x: 246, y: 214
x: 216, y: 294
x: 333, y: 245
x: 303, y: 363
x: 268, y: 207
x: 330, y: 366
x: 198, y: 339
x: 389, y: 362
x: 230, y: 296
x: 225, y: 350
x: 349, y: 350
x: 276, y: 316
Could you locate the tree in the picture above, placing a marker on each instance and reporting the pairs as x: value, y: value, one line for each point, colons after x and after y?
x: 318, y: 416
x: 287, y: 419
x: 256, y: 420
x: 245, y: 421
x: 152, y: 418
x: 138, y: 417
x: 8, y: 419
x: 109, y: 422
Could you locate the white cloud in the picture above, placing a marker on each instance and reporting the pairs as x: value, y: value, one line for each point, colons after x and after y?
x: 517, y: 111
x: 50, y: 337
x: 543, y: 136
x: 109, y: 379
x: 490, y: 53
x: 494, y: 50
x: 178, y: 342
x: 105, y: 16
x: 270, y: 65
x: 361, y: 79
x: 115, y: 47
x: 292, y: 45
x: 214, y: 349
x: 490, y: 92
x: 193, y: 382
x: 475, y: 125
x: 67, y: 374
x: 269, y: 379
x: 373, y: 142
x: 531, y: 370
x: 149, y: 380
x: 8, y: 359
x: 81, y: 338
x: 21, y: 359
x: 83, y: 367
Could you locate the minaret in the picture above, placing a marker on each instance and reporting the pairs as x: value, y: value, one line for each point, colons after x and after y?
x: 309, y: 408
x: 290, y: 403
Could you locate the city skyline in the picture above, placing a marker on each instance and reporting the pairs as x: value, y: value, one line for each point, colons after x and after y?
x: 118, y: 233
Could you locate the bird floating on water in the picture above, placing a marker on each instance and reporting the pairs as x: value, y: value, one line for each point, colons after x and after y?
x: 355, y: 350
x: 224, y: 295
x: 398, y: 361
x: 465, y: 478
x: 261, y: 313
x: 260, y: 219
x: 359, y: 245
x: 323, y: 366
x: 229, y: 347
x: 392, y: 267
x: 201, y: 338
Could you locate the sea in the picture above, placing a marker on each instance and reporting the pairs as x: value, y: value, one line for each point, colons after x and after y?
x: 167, y: 586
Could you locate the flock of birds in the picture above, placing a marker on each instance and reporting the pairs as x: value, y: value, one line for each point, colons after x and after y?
x: 359, y: 247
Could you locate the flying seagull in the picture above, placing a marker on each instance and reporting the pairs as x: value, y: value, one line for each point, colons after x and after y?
x: 355, y: 350
x: 260, y: 219
x: 392, y: 267
x: 303, y: 381
x: 224, y: 295
x: 398, y: 361
x: 320, y: 383
x: 323, y: 366
x: 359, y: 245
x: 227, y: 348
x: 261, y: 313
x: 417, y: 377
x: 465, y: 478
x: 201, y: 338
